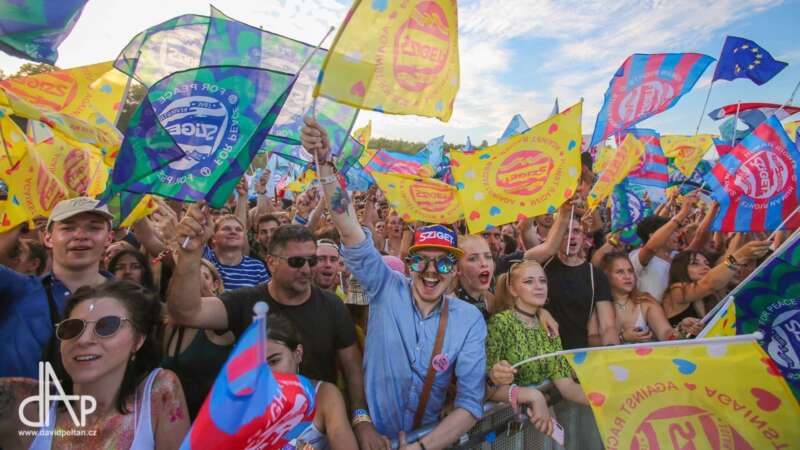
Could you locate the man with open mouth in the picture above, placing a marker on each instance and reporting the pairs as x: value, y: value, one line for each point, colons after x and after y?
x: 418, y: 337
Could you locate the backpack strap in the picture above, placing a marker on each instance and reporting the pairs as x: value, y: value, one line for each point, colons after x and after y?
x: 431, y: 374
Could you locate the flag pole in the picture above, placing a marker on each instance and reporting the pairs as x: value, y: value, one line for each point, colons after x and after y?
x: 713, y: 316
x: 679, y: 343
x: 788, y: 102
x: 783, y: 223
x: 705, y: 105
x: 569, y: 227
x: 735, y: 121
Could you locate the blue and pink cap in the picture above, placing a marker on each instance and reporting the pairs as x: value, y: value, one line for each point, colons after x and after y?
x: 437, y: 237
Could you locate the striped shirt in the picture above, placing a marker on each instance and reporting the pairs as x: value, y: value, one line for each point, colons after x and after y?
x: 249, y: 271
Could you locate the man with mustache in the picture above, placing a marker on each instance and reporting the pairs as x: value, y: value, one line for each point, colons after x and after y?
x: 320, y: 317
x: 418, y: 337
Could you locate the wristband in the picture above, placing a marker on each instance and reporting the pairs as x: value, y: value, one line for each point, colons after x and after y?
x: 360, y: 419
x: 300, y: 219
x: 513, y: 396
x: 621, y: 337
x: 328, y: 179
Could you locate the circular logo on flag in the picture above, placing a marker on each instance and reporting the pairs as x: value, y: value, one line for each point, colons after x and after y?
x: 431, y: 198
x: 644, y: 99
x: 200, y: 119
x: 76, y: 171
x: 683, y: 426
x: 780, y: 323
x: 524, y: 172
x: 763, y: 175
x: 421, y: 46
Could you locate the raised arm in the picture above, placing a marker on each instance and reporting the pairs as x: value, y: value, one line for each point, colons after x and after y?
x: 185, y: 303
x: 315, y: 140
x: 702, y: 234
x: 555, y: 235
x: 661, y: 236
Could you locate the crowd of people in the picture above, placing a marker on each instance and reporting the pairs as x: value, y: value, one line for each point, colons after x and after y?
x: 399, y: 325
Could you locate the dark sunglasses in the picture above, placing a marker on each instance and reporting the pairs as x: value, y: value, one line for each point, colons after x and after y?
x: 104, y: 327
x: 296, y: 262
x: 443, y: 264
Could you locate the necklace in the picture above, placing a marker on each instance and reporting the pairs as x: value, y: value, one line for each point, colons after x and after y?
x: 623, y: 306
x: 526, y: 313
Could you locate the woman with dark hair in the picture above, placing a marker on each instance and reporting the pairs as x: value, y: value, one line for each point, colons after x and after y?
x: 329, y: 428
x: 691, y: 281
x: 196, y: 355
x: 109, y: 352
x: 639, y: 317
x: 133, y: 266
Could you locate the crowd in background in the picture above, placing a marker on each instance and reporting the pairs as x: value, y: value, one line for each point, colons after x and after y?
x: 398, y: 324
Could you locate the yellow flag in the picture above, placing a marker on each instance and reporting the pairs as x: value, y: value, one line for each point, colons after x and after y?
x: 146, y: 206
x: 395, y: 57
x: 687, y: 151
x: 791, y: 129
x: 12, y: 214
x: 363, y: 134
x: 603, y: 155
x: 34, y: 187
x: 82, y: 92
x: 699, y: 395
x: 531, y: 173
x: 80, y: 170
x: 628, y: 155
x: 724, y: 324
x: 416, y: 198
x: 304, y: 182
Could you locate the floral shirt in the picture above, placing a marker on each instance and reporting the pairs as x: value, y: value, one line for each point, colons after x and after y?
x: 511, y: 340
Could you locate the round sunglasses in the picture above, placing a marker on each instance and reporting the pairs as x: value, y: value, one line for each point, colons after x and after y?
x: 104, y: 327
x: 296, y: 262
x: 443, y: 264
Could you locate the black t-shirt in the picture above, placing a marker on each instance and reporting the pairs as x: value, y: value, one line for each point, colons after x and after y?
x: 505, y: 261
x: 570, y: 291
x: 323, y: 321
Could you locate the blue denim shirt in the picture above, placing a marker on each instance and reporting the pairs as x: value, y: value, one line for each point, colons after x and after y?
x: 400, y: 342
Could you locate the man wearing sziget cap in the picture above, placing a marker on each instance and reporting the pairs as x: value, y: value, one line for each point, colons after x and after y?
x: 78, y: 231
x: 418, y: 339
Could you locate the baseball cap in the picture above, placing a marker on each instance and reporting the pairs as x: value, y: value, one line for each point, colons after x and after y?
x: 74, y: 206
x: 437, y: 237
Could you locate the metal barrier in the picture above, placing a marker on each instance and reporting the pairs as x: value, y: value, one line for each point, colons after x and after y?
x: 500, y: 429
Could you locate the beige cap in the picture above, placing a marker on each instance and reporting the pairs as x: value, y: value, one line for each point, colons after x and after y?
x: 74, y: 206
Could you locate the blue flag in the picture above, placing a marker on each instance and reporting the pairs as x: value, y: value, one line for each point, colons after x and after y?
x: 516, y: 126
x: 743, y: 58
x: 249, y: 405
x: 197, y: 131
x: 34, y: 29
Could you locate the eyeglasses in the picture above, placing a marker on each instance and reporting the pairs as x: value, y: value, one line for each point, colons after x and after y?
x: 104, y: 327
x: 419, y: 263
x: 296, y: 262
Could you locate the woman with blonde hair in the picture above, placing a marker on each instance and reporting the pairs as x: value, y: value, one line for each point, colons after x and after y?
x: 515, y: 334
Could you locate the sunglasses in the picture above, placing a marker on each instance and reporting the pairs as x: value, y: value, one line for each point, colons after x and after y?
x: 296, y: 262
x: 104, y: 327
x: 443, y: 264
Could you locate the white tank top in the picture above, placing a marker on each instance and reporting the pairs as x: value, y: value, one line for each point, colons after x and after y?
x: 143, y: 433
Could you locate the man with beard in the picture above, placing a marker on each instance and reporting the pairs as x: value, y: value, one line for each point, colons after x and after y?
x: 320, y: 317
x: 409, y: 363
x: 326, y: 272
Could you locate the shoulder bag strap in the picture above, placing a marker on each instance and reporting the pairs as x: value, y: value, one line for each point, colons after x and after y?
x: 431, y: 374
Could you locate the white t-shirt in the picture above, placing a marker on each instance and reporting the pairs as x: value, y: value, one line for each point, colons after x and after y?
x: 652, y: 278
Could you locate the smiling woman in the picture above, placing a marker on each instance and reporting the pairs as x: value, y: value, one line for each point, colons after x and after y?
x: 109, y: 352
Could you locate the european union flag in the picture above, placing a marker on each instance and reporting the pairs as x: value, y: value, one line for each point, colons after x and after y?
x: 743, y: 58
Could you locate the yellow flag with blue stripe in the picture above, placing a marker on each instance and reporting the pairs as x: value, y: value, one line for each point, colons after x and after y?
x: 705, y: 394
x: 530, y: 174
x: 395, y: 57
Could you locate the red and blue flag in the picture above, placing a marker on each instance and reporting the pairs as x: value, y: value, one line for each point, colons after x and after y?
x: 754, y: 113
x: 249, y: 406
x: 390, y: 161
x: 756, y: 183
x: 652, y: 171
x: 645, y: 85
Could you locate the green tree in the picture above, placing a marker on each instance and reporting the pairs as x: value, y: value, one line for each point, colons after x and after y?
x: 29, y: 69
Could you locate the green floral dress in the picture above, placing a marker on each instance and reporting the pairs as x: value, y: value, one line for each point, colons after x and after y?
x: 511, y: 340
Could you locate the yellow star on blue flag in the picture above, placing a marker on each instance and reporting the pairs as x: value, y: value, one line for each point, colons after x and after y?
x: 757, y: 64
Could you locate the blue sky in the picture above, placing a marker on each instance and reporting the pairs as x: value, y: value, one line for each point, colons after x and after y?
x: 517, y: 56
